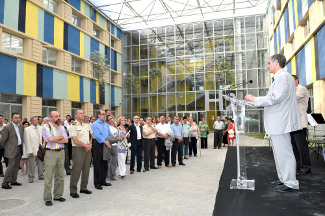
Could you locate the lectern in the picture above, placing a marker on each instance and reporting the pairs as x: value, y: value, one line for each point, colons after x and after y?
x: 238, y: 109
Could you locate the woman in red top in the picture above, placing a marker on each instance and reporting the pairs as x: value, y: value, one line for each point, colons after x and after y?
x: 231, y: 133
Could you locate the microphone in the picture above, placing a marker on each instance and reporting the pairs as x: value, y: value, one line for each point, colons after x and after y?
x: 234, y: 86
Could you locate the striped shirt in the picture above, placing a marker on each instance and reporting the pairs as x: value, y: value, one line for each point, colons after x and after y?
x: 53, y: 131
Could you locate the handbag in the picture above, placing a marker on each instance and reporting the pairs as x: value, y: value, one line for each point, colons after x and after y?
x: 41, y: 152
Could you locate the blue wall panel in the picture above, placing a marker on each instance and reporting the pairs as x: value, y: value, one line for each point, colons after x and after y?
x: 289, y: 67
x: 299, y: 9
x: 119, y: 33
x: 76, y: 4
x: 73, y: 40
x: 286, y: 24
x: 275, y: 43
x: 113, y: 60
x: 321, y: 51
x: 112, y: 29
x: 47, y: 82
x: 112, y: 95
x: 8, y: 70
x: 108, y: 55
x: 94, y: 45
x: 301, y: 67
x: 92, y: 91
x: 48, y: 28
x: 2, y: 10
x: 81, y: 89
x: 93, y: 13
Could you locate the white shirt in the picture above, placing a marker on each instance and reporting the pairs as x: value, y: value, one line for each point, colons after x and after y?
x: 138, y: 131
x: 114, y: 133
x: 66, y: 124
x: 18, y: 134
x: 163, y: 128
x: 218, y: 125
x: 1, y: 127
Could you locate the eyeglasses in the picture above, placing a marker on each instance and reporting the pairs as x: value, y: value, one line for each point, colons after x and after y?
x: 103, y: 114
x: 109, y: 119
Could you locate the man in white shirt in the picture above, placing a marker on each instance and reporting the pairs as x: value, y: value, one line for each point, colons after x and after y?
x: 218, y: 129
x: 2, y: 124
x: 136, y: 144
x: 162, y: 128
x: 66, y: 122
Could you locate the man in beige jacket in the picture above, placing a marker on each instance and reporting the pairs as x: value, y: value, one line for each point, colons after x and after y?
x: 32, y: 139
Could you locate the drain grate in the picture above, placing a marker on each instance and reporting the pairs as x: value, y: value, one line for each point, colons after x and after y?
x: 11, y: 203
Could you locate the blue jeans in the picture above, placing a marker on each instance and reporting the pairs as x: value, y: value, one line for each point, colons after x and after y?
x: 186, y: 142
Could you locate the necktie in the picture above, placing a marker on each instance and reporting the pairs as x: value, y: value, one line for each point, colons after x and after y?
x: 37, y: 133
x: 272, y: 79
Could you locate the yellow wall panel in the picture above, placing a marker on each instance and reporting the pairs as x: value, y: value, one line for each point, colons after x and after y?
x: 31, y: 25
x: 58, y: 32
x: 296, y: 12
x: 97, y: 92
x: 73, y: 87
x: 29, y: 78
x: 82, y: 44
x: 82, y: 6
x: 313, y: 60
x: 293, y: 66
x: 97, y: 18
x: 106, y: 25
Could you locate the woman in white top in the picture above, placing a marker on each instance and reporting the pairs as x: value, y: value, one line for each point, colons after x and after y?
x: 112, y: 163
x: 24, y: 158
x: 193, y: 136
x: 122, y: 145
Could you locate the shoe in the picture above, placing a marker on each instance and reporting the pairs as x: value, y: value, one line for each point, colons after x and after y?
x: 190, y: 156
x: 174, y: 165
x: 2, y: 175
x: 122, y: 177
x: 6, y: 186
x: 98, y: 187
x: 131, y: 172
x: 145, y: 170
x: 15, y: 183
x: 154, y: 167
x: 195, y: 155
x: 303, y: 172
x: 168, y: 165
x: 219, y: 147
x: 48, y: 203
x: 86, y: 191
x: 68, y: 172
x: 107, y: 184
x: 276, y: 183
x: 159, y: 167
x: 282, y: 189
x: 41, y: 178
x: 183, y: 164
x: 214, y: 147
x: 74, y: 195
x: 185, y: 157
x: 61, y: 199
x: 139, y: 170
x: 31, y: 180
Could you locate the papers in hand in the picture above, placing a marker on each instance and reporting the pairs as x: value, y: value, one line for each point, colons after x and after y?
x: 311, y: 120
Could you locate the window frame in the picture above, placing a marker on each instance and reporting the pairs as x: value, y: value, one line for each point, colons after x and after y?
x: 47, y: 56
x: 10, y: 43
x: 73, y: 65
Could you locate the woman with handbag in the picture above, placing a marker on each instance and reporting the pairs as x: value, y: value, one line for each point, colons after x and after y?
x: 204, y: 132
x: 122, y: 145
x: 193, y: 135
x: 231, y: 133
x: 225, y: 132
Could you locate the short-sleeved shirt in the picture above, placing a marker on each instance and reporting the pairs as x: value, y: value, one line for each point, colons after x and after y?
x: 177, y: 129
x: 203, y: 127
x: 186, y: 128
x: 147, y: 129
x: 50, y: 130
x: 81, y: 131
x: 162, y: 128
x: 218, y: 125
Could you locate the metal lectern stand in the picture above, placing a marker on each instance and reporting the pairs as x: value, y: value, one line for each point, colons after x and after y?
x: 239, y: 118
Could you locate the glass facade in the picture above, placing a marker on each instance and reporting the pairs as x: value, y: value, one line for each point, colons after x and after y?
x: 185, y: 69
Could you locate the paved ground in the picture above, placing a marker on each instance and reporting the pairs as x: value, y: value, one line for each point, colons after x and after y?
x: 189, y: 190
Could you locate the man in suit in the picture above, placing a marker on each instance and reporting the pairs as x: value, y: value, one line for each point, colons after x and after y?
x: 2, y: 125
x: 281, y: 116
x: 12, y: 139
x: 136, y: 144
x: 298, y: 138
x: 32, y: 140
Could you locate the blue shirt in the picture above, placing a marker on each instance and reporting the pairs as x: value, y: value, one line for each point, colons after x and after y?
x: 100, y: 131
x: 18, y: 134
x: 177, y: 129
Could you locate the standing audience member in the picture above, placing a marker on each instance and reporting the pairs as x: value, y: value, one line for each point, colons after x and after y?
x: 32, y: 140
x: 193, y: 137
x: 24, y: 157
x: 186, y: 128
x: 122, y: 145
x: 218, y: 129
x: 204, y: 130
x: 86, y: 119
x: 92, y: 120
x: 177, y: 148
x: 136, y: 144
x: 12, y: 138
x: 67, y: 120
x: 54, y: 136
x: 231, y: 133
x: 100, y: 133
x: 46, y: 120
x: 225, y: 132
x: 149, y: 136
x: 80, y: 133
x: 298, y: 138
x: 108, y: 112
x: 40, y: 120
x: 141, y: 121
x: 112, y: 157
x: 2, y: 124
x: 6, y: 121
x: 169, y: 120
x: 163, y: 153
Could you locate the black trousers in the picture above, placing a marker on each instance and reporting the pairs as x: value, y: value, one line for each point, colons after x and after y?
x: 162, y: 152
x: 193, y: 146
x: 177, y: 148
x: 300, y: 149
x: 136, y: 151
x: 149, y: 153
x: 204, y: 142
x: 66, y: 159
x: 217, y: 138
x: 100, y: 165
x: 2, y: 155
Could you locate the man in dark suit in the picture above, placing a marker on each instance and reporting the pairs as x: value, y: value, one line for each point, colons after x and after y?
x: 136, y: 144
x: 12, y: 138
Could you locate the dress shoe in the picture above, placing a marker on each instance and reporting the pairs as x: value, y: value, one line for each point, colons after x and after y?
x: 68, y: 172
x: 154, y: 167
x: 183, y: 164
x: 282, y: 189
x: 2, y: 175
x: 107, y: 184
x: 61, y: 199
x: 195, y: 155
x: 159, y: 167
x: 276, y: 183
x: 86, y: 191
x: 48, y: 203
x: 131, y: 172
x: 98, y: 187
x: 303, y: 172
x: 146, y: 170
x: 122, y: 177
x: 74, y: 195
x: 41, y: 178
x: 15, y: 183
x: 6, y: 186
x: 168, y: 165
x: 185, y: 157
x: 138, y: 170
x: 219, y: 147
x: 31, y: 180
x: 174, y: 165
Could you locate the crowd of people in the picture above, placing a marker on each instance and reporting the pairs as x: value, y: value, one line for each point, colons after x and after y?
x: 103, y: 143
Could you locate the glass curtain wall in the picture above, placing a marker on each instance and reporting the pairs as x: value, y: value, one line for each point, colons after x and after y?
x: 185, y: 69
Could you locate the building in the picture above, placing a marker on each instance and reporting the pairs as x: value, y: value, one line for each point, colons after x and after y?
x: 297, y: 30
x: 46, y: 48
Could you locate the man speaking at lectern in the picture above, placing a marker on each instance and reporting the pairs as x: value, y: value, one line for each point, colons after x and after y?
x: 281, y: 116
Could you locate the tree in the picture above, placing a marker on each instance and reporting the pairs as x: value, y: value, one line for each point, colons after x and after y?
x: 100, y: 67
x: 154, y: 74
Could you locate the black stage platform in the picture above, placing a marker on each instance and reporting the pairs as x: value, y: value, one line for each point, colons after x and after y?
x: 309, y: 200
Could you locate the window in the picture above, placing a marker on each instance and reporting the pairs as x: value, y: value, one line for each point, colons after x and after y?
x: 112, y: 78
x: 10, y: 104
x: 96, y: 33
x: 75, y: 65
x: 51, y: 5
x: 49, y: 56
x: 112, y: 43
x: 12, y: 44
x: 96, y: 109
x: 74, y: 107
x: 48, y: 106
x: 76, y: 20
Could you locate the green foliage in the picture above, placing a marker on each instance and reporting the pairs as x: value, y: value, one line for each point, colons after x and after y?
x: 227, y: 71
x: 154, y: 74
x: 100, y: 66
x: 129, y: 81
